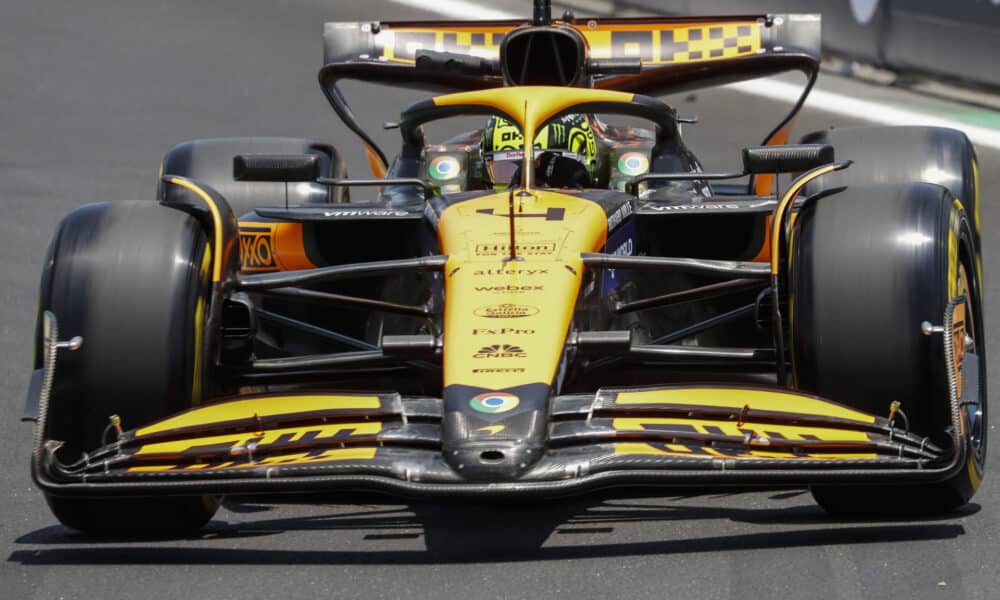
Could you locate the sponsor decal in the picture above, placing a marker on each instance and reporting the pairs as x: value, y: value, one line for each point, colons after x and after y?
x: 510, y: 154
x: 256, y: 249
x: 501, y: 351
x: 293, y: 457
x: 444, y: 167
x: 525, y: 249
x: 494, y: 402
x: 525, y: 272
x: 686, y: 43
x: 625, y: 249
x: 520, y: 233
x: 402, y: 44
x: 694, y: 207
x: 503, y: 331
x: 510, y: 289
x: 499, y: 370
x: 366, y: 212
x: 506, y: 311
x: 656, y: 45
x: 512, y: 136
x: 550, y: 214
x: 261, y: 444
x: 492, y: 429
x: 633, y: 163
x: 619, y: 215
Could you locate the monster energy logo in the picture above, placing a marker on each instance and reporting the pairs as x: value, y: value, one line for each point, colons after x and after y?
x: 557, y: 134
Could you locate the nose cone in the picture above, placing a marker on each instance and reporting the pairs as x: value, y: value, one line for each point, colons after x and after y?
x: 506, y: 322
x: 494, y: 435
x: 492, y: 461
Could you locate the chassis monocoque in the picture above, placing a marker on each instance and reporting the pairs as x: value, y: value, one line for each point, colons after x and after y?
x: 661, y: 326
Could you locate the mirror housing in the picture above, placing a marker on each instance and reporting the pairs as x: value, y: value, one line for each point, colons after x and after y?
x: 786, y: 159
x: 276, y: 167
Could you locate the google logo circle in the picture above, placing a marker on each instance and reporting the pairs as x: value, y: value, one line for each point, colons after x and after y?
x: 633, y: 163
x: 445, y: 167
x: 494, y: 402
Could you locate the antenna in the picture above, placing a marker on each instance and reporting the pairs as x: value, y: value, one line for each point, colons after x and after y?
x: 510, y: 220
x: 528, y: 162
x: 543, y: 13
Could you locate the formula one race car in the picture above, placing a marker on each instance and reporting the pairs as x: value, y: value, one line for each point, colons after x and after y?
x: 489, y: 318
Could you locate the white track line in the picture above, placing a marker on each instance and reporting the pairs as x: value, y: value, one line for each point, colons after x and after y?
x: 459, y: 9
x: 819, y: 99
x: 868, y: 110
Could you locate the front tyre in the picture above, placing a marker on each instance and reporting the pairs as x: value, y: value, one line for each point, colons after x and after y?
x: 132, y: 279
x: 869, y: 265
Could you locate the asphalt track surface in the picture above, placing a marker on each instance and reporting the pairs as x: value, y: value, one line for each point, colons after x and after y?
x: 93, y: 94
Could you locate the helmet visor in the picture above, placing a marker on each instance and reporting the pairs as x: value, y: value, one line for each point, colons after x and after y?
x: 503, y: 166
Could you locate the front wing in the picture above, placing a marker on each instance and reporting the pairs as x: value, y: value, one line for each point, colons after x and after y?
x: 678, y: 435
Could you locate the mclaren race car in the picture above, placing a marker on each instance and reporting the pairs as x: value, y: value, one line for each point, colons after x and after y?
x: 544, y: 306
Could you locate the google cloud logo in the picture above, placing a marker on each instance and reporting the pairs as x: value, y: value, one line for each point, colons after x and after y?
x: 633, y: 163
x: 494, y: 402
x: 445, y: 167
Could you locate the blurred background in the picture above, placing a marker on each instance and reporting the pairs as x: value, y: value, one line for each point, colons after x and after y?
x: 916, y: 39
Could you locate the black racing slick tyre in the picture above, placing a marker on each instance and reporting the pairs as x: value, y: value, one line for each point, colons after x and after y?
x: 901, y: 155
x: 131, y: 279
x: 870, y: 265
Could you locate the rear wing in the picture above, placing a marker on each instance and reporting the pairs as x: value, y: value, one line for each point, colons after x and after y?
x: 676, y: 53
x: 381, y: 50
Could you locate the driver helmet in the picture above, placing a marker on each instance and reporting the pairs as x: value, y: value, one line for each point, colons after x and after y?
x: 502, y: 146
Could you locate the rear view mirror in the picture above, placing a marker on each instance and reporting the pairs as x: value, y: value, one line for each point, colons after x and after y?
x: 276, y: 167
x: 786, y: 159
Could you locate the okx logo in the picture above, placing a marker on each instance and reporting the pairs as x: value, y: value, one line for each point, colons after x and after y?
x: 501, y: 351
x: 256, y: 250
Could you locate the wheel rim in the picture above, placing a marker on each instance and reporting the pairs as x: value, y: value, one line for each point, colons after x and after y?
x: 974, y: 412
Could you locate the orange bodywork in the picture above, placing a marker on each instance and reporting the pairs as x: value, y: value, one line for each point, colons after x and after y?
x: 272, y: 247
